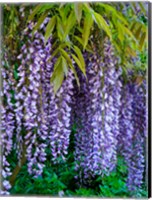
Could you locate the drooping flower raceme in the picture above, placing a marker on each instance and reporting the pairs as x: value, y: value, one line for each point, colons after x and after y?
x: 29, y: 95
x: 98, y: 116
x: 132, y: 133
x: 7, y: 123
x: 136, y: 170
x: 44, y: 115
x: 60, y: 116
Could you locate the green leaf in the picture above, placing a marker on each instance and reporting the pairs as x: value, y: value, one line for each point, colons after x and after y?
x: 50, y: 27
x: 142, y: 40
x: 61, y: 5
x: 80, y: 56
x: 64, y: 12
x: 87, y: 8
x: 127, y: 31
x: 58, y: 61
x: 53, y: 54
x: 61, y: 185
x: 142, y: 7
x: 58, y: 75
x: 78, y: 11
x: 58, y: 49
x: 102, y: 24
x: 15, y: 75
x: 40, y: 21
x: 79, y: 64
x: 133, y: 26
x: 120, y: 34
x: 69, y: 24
x: 114, y: 12
x: 130, y: 51
x: 64, y: 65
x: 35, y: 11
x: 88, y: 21
x: 79, y: 40
x: 65, y: 54
x: 45, y: 7
x: 60, y: 30
x: 88, y: 48
x: 138, y: 31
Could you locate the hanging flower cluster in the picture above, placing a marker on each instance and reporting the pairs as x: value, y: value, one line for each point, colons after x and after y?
x: 42, y: 115
x: 111, y: 120
x: 132, y: 133
x: 7, y: 123
x: 98, y: 103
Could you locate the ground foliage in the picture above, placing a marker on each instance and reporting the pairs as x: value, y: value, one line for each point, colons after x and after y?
x: 59, y: 180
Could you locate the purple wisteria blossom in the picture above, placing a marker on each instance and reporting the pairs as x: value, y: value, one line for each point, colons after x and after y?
x: 97, y: 111
x: 42, y: 115
x: 60, y: 116
x: 137, y: 167
x: 32, y: 119
x: 132, y: 133
x: 7, y: 122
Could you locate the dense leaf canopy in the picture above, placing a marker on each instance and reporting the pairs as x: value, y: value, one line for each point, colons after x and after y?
x: 78, y: 27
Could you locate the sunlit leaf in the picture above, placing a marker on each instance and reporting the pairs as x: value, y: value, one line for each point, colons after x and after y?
x: 88, y: 21
x: 102, y: 24
x: 58, y: 75
x: 131, y: 52
x: 138, y: 32
x: 69, y: 24
x: 142, y: 41
x: 79, y: 64
x: 79, y: 40
x: 80, y: 56
x: 78, y: 11
x: 120, y: 32
x: 64, y: 65
x: 64, y: 12
x: 50, y: 27
x: 60, y: 30
x: 133, y: 26
x: 45, y: 7
x: 88, y: 48
x: 87, y: 8
x: 66, y: 56
x: 128, y: 32
x: 114, y: 12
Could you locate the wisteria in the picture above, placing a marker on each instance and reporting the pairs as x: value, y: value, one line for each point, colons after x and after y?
x: 7, y: 123
x: 110, y: 114
x: 98, y: 103
x: 132, y: 133
x: 44, y: 116
x: 136, y: 170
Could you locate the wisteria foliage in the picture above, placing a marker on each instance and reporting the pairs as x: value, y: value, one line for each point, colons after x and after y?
x: 110, y: 115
